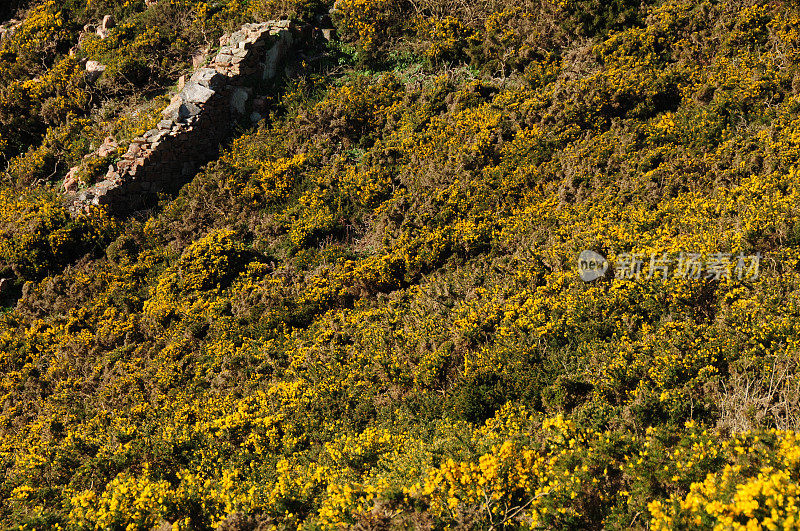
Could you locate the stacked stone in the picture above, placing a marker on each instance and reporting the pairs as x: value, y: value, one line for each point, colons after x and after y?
x: 243, y: 54
x: 196, y: 121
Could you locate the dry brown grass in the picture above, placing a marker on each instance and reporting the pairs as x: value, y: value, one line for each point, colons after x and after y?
x: 748, y: 399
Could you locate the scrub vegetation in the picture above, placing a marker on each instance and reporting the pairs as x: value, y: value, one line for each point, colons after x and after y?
x: 366, y: 312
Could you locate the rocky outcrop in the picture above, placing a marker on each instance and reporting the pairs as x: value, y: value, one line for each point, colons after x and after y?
x: 94, y: 70
x: 105, y: 26
x: 9, y: 28
x: 197, y: 121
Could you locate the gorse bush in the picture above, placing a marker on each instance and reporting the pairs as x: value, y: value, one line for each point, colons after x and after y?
x: 39, y: 236
x: 366, y: 311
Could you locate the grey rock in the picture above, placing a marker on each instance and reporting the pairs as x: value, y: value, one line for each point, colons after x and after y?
x: 239, y: 99
x: 133, y: 151
x: 154, y: 136
x: 187, y: 111
x: 223, y: 59
x: 171, y: 111
x: 9, y: 29
x: 196, y: 93
x: 209, y: 78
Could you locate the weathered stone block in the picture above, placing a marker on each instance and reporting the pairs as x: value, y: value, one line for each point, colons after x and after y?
x: 188, y: 110
x: 171, y: 111
x: 71, y: 181
x: 94, y: 70
x: 108, y: 147
x: 223, y: 59
x: 196, y: 93
x: 209, y: 78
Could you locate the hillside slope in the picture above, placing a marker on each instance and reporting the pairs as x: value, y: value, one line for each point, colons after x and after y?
x: 367, y: 310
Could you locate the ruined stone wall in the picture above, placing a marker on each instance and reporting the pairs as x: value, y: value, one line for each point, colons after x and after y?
x: 197, y: 120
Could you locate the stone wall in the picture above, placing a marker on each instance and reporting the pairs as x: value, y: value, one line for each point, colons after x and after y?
x: 198, y: 119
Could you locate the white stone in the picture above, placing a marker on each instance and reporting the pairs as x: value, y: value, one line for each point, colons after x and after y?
x: 94, y: 70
